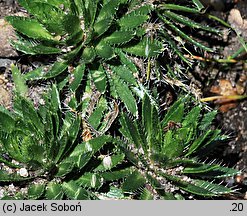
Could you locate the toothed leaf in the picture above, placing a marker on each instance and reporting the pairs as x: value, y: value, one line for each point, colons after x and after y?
x: 99, y: 79
x: 90, y: 180
x: 133, y: 182
x: 29, y: 27
x: 145, y: 48
x: 54, y: 191
x: 132, y: 21
x: 35, y: 191
x: 119, y: 37
x: 74, y: 191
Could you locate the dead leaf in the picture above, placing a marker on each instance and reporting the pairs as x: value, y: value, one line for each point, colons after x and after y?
x: 225, y: 88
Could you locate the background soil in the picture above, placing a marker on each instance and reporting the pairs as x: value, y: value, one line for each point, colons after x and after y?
x: 233, y: 122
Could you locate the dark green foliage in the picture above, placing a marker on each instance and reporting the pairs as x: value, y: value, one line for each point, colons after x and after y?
x: 163, y: 150
x: 174, y: 18
x: 44, y: 142
x: 88, y: 30
x: 65, y: 149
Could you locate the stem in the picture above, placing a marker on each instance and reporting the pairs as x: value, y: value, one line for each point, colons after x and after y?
x: 233, y: 97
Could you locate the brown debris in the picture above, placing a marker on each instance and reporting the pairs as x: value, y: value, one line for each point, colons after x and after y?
x: 5, y: 95
x: 225, y: 88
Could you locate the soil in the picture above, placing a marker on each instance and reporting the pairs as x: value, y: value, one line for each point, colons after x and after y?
x: 233, y: 122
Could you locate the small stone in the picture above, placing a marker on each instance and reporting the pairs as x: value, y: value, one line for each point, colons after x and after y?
x: 7, y: 34
x: 23, y: 172
x: 11, y: 188
x: 5, y: 97
x: 107, y: 163
x: 2, y: 193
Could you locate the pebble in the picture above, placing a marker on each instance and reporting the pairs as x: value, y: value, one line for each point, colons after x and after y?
x: 7, y: 34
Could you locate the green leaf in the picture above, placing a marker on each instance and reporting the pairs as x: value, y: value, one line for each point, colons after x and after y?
x: 198, y: 187
x: 207, y: 120
x: 19, y: 81
x: 72, y: 23
x: 50, y: 15
x: 68, y: 134
x: 74, y: 38
x: 74, y: 191
x: 191, y: 118
x: 172, y: 147
x: 175, y: 113
x: 119, y: 37
x: 204, y: 188
x: 55, y: 99
x: 131, y: 130
x: 110, y: 162
x: 83, y: 152
x: 125, y: 74
x: 35, y: 191
x: 99, y: 79
x: 108, y: 10
x: 71, y: 55
x: 30, y: 115
x: 104, y: 50
x: 210, y: 171
x: 116, y: 175
x: 146, y: 195
x: 90, y: 180
x: 102, y: 26
x: 78, y: 74
x: 125, y: 95
x: 54, y: 191
x: 151, y: 123
x: 34, y: 74
x: 33, y: 48
x: 88, y: 54
x: 30, y: 27
x: 95, y: 118
x: 126, y: 61
x: 198, y: 4
x: 179, y: 8
x: 133, y: 182
x: 56, y: 69
x: 90, y: 13
x: 147, y: 114
x: 200, y: 141
x: 132, y: 21
x: 7, y: 177
x: 64, y: 168
x: 188, y: 22
x: 184, y: 35
x: 145, y: 48
x: 115, y: 193
x: 7, y: 120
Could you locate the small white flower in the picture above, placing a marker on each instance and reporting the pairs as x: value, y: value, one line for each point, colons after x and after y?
x: 23, y: 172
x: 107, y: 162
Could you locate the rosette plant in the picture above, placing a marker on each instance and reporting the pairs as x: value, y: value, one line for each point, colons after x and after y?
x: 92, y: 32
x: 84, y: 30
x: 42, y: 150
x: 168, y: 154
